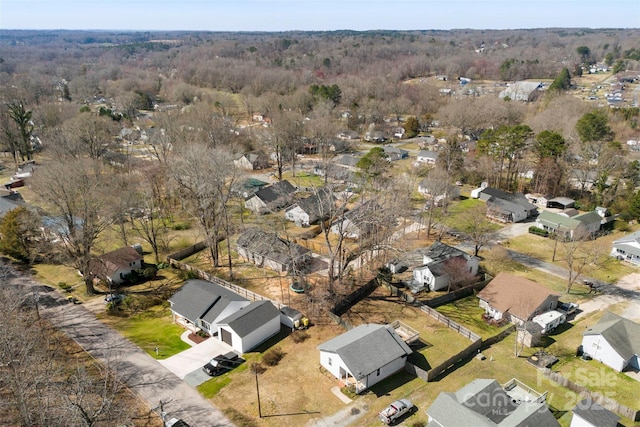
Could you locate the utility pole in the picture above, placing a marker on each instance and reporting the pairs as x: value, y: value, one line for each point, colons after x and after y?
x: 258, y: 392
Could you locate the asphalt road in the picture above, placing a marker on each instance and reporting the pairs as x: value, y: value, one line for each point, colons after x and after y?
x: 143, y: 374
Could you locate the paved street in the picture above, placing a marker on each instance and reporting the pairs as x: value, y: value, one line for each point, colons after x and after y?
x: 146, y: 376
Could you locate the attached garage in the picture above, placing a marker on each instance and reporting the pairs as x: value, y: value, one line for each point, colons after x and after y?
x: 250, y: 326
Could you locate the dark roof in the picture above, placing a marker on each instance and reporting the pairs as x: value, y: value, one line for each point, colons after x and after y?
x: 247, y: 319
x: 517, y: 198
x: 200, y: 299
x: 621, y: 334
x: 595, y: 414
x: 275, y: 192
x: 440, y: 251
x: 366, y: 348
x: 317, y: 206
x: 269, y: 245
x: 10, y: 201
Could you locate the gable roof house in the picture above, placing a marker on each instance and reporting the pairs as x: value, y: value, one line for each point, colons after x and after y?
x: 516, y: 299
x: 627, y: 248
x: 507, y: 207
x: 427, y: 156
x: 311, y: 209
x: 364, y: 355
x: 200, y: 305
x: 394, y: 153
x: 252, y: 161
x: 578, y: 226
x: 614, y: 341
x: 266, y: 249
x: 271, y: 198
x: 115, y: 266
x: 439, y: 264
x: 438, y: 189
x: 249, y: 326
x: 484, y: 403
x: 588, y: 413
x: 357, y: 222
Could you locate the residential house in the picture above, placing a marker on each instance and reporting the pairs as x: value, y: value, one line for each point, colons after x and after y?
x: 348, y: 160
x: 475, y: 193
x: 311, y: 209
x: 442, y: 264
x: 427, y: 157
x: 440, y: 190
x: 627, y: 248
x: 252, y: 161
x: 485, y: 403
x: 200, y: 305
x: 516, y: 299
x: 248, y: 187
x: 266, y: 249
x: 574, y: 227
x: 249, y: 326
x: 614, y: 341
x: 364, y: 355
x: 334, y: 172
x: 522, y: 91
x: 394, y: 153
x: 9, y: 200
x: 271, y: 198
x: 507, y: 207
x: 348, y: 135
x: 356, y: 223
x: 115, y: 266
x: 588, y: 413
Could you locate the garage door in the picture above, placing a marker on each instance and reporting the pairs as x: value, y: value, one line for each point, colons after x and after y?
x: 226, y: 336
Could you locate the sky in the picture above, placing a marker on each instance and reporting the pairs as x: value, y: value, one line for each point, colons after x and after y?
x: 316, y: 15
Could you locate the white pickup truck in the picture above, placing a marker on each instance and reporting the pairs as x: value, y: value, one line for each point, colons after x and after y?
x: 396, y: 410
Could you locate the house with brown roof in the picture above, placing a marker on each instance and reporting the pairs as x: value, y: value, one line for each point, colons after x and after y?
x: 115, y: 266
x: 516, y: 299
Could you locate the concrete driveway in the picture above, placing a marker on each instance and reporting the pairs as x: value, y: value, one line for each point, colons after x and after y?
x: 194, y: 358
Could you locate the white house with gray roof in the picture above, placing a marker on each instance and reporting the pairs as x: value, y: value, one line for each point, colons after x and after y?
x: 439, y: 265
x: 364, y: 355
x: 250, y: 326
x: 614, y: 341
x: 485, y: 403
x: 575, y: 227
x: 588, y: 413
x: 627, y: 248
x: 200, y: 305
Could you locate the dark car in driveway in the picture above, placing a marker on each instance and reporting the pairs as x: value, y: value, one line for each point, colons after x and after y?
x: 221, y: 364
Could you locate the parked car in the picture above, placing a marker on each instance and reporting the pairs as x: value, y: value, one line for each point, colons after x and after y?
x: 221, y: 364
x: 395, y: 411
x: 568, y: 307
x: 114, y: 298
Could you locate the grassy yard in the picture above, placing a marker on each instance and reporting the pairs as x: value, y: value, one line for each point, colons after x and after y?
x: 468, y: 313
x: 150, y: 329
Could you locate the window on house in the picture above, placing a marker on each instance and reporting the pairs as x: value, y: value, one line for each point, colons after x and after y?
x: 378, y: 372
x: 329, y: 361
x: 596, y: 346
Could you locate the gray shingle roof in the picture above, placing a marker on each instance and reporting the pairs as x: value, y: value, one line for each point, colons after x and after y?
x: 199, y: 299
x: 247, y: 319
x: 483, y: 403
x: 317, y: 206
x: 622, y: 334
x: 595, y: 414
x: 629, y: 243
x: 279, y: 191
x: 270, y: 246
x: 366, y: 348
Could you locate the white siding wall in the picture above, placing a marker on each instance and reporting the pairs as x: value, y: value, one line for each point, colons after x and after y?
x: 599, y: 349
x: 332, y: 363
x: 259, y: 335
x: 578, y: 421
x: 385, y: 372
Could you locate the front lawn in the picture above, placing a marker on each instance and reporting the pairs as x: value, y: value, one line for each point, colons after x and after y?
x: 150, y: 329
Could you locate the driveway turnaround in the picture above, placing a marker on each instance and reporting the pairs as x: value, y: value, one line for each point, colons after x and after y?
x: 143, y: 374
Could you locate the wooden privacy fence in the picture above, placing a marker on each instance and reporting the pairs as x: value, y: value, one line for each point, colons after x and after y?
x: 601, y: 400
x: 450, y: 323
